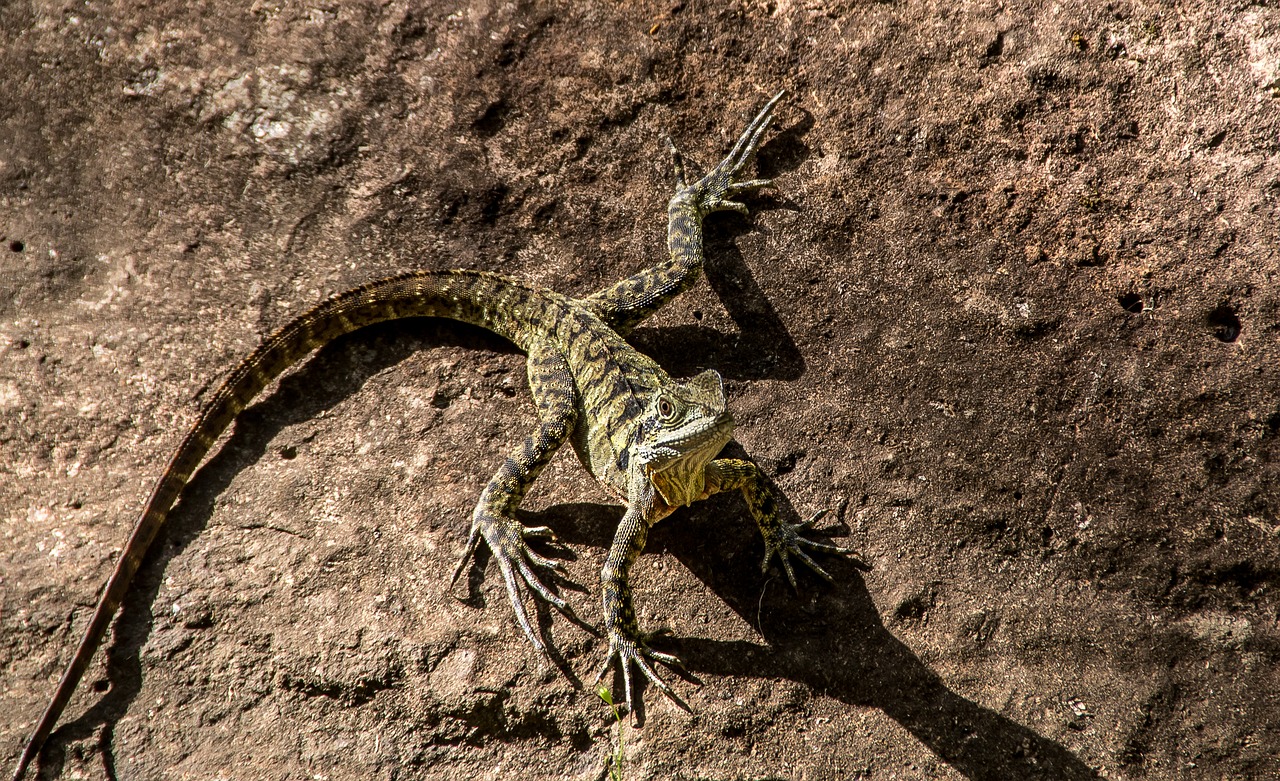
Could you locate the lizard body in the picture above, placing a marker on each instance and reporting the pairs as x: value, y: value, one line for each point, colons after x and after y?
x: 649, y: 439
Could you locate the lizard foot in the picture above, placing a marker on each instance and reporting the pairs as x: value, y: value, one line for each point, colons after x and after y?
x: 506, y: 539
x: 628, y: 651
x: 784, y: 540
x: 715, y: 191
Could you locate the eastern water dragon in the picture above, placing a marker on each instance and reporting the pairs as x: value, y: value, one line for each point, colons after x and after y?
x: 650, y: 440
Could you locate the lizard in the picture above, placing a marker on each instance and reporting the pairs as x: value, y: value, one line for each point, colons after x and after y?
x: 652, y: 441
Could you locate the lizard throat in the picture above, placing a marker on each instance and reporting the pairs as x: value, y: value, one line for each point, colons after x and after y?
x: 683, y: 480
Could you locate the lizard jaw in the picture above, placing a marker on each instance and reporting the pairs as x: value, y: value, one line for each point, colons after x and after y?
x: 676, y: 469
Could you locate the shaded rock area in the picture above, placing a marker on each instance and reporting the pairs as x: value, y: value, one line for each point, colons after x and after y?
x: 1011, y: 312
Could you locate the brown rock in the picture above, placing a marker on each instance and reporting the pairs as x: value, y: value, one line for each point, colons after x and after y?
x: 1066, y: 505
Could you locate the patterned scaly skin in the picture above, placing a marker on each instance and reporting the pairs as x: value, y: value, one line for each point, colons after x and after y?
x: 649, y: 439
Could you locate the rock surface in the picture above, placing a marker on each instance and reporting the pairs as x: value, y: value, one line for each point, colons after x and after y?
x: 1011, y: 311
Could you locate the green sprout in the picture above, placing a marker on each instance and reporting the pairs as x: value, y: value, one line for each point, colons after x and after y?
x: 615, y: 761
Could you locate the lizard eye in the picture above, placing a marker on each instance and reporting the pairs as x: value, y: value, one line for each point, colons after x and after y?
x: 665, y: 408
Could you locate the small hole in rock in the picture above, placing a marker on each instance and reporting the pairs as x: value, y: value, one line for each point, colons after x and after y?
x: 1132, y: 302
x: 788, y: 462
x: 101, y: 685
x: 17, y: 246
x: 1226, y: 325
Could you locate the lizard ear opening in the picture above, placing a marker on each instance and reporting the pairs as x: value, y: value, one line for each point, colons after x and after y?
x: 708, y: 389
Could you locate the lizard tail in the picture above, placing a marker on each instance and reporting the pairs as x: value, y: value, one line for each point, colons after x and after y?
x: 494, y: 302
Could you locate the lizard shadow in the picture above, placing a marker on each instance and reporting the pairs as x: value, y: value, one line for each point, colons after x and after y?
x: 835, y: 643
x: 761, y: 349
x: 828, y: 637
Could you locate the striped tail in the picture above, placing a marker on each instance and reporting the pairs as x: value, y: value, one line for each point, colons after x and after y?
x: 507, y: 307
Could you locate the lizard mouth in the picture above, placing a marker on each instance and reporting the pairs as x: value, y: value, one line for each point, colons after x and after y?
x: 695, y: 449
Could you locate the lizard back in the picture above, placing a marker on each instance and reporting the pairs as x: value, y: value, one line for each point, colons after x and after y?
x: 614, y: 383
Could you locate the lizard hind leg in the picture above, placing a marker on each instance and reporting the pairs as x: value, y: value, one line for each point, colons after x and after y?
x: 493, y: 519
x: 715, y: 191
x: 626, y: 303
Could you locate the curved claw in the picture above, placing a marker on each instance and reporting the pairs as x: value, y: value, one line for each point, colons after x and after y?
x: 629, y: 652
x: 750, y: 138
x: 543, y: 561
x: 720, y: 206
x: 506, y: 540
x: 473, y: 541
x: 812, y: 519
x: 714, y: 192
x: 741, y: 187
x: 677, y: 162
x: 788, y: 542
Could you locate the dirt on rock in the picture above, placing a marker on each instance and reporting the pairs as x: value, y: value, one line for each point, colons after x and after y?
x: 1010, y: 311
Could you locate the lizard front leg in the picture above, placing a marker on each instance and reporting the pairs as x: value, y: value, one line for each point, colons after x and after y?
x: 494, y: 516
x: 626, y: 643
x: 780, y: 537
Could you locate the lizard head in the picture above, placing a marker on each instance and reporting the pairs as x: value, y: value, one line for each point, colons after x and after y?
x: 685, y: 426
